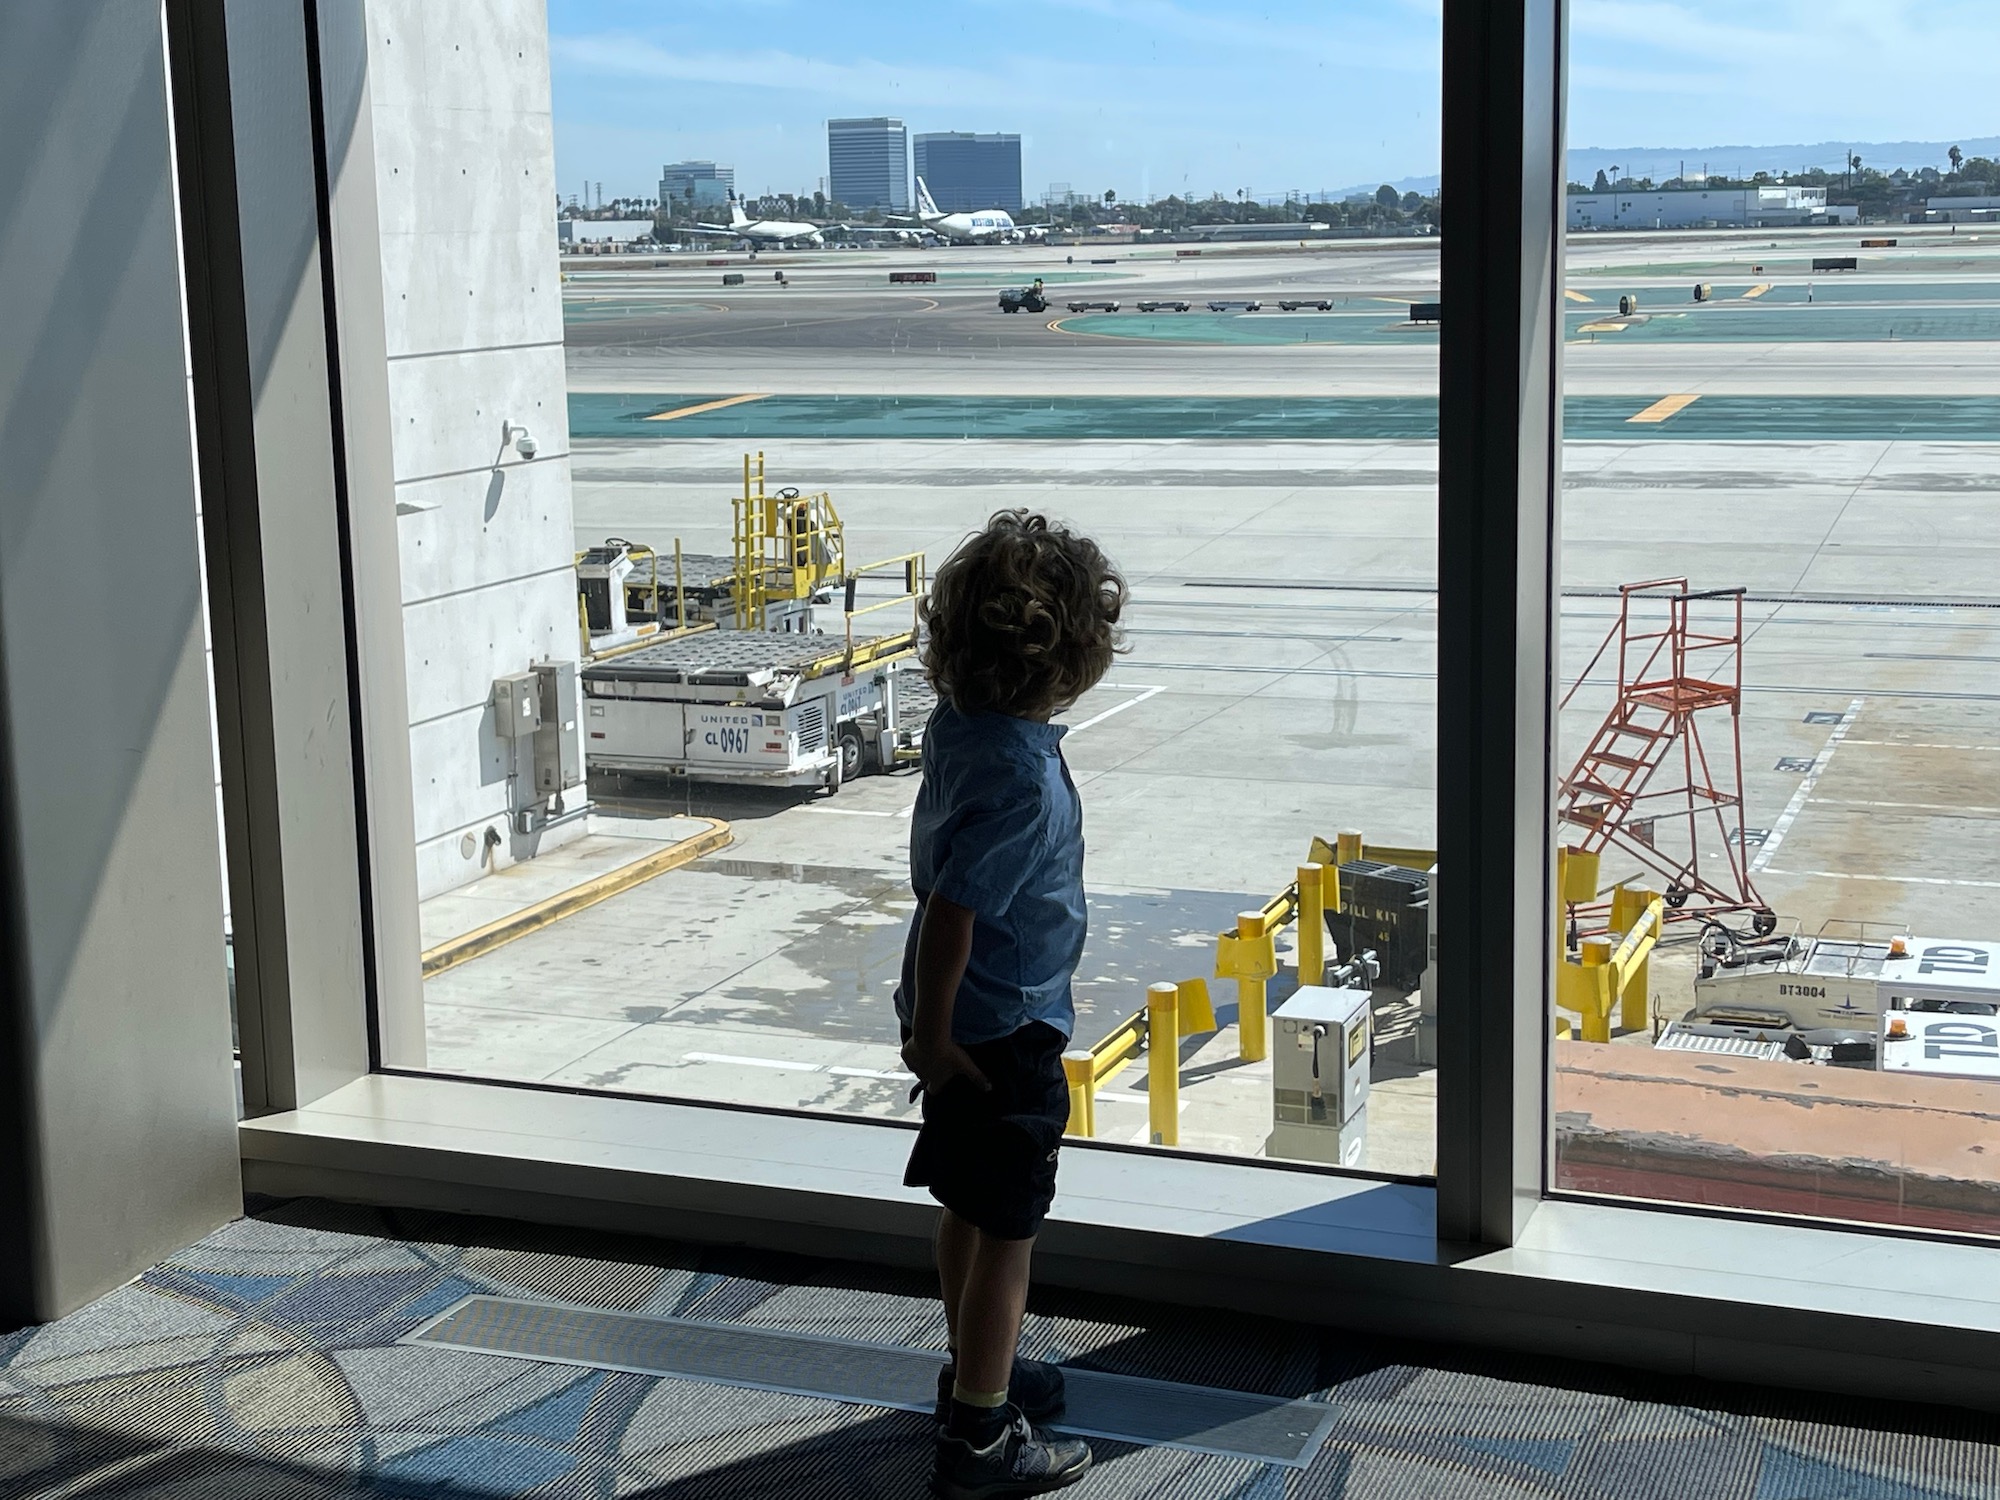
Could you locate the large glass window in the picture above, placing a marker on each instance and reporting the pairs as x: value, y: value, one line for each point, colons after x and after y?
x: 706, y: 356
x: 1779, y: 976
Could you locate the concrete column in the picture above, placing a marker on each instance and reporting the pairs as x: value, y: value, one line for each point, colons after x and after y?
x: 117, y: 1106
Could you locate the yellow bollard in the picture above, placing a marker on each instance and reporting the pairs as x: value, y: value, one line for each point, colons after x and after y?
x: 1312, y: 924
x: 1347, y: 848
x: 1253, y: 1029
x: 1629, y: 904
x: 1080, y: 1068
x: 1163, y: 1063
x: 1596, y: 1005
x: 1579, y: 876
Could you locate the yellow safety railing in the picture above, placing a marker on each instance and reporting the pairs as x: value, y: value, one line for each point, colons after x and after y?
x: 1249, y: 955
x: 916, y: 582
x: 1172, y: 1012
x: 1612, y: 968
x: 788, y: 546
x: 651, y: 588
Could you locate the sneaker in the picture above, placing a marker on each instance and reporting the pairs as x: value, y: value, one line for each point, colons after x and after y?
x: 1036, y: 1386
x: 1020, y: 1461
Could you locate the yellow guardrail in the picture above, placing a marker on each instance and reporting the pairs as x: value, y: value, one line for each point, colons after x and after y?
x: 1249, y: 955
x: 1089, y: 1069
x: 1612, y: 968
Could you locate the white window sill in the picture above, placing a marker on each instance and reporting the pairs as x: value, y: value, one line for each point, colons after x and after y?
x: 1729, y: 1298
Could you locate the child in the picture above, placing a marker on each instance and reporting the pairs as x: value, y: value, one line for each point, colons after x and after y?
x: 1022, y: 621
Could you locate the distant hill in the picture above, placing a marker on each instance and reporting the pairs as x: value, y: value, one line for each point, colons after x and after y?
x: 1663, y: 162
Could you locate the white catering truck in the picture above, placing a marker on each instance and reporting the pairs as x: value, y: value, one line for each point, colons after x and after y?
x: 755, y: 706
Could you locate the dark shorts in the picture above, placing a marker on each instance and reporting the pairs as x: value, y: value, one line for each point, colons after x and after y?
x: 991, y: 1157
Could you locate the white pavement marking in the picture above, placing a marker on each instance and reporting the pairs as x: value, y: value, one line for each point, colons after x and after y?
x: 796, y: 1067
x: 1144, y: 694
x: 1792, y: 808
x: 1923, y: 745
x: 1983, y: 885
x: 1939, y: 807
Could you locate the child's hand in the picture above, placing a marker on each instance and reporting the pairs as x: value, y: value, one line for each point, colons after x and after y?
x: 937, y: 1063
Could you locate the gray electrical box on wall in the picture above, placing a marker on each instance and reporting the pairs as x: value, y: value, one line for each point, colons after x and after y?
x: 559, y: 740
x: 517, y: 706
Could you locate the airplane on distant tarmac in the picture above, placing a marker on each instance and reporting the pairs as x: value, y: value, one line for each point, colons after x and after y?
x: 899, y: 233
x: 776, y: 232
x: 987, y: 226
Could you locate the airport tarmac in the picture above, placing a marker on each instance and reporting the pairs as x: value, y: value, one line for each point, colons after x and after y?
x: 1280, y: 682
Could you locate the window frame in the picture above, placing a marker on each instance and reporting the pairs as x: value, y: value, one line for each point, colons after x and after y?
x: 1502, y: 1260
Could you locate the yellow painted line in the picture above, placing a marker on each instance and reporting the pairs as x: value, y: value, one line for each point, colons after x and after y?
x: 1757, y: 290
x: 1574, y: 295
x: 483, y: 940
x: 688, y: 411
x: 1665, y: 407
x: 1604, y: 328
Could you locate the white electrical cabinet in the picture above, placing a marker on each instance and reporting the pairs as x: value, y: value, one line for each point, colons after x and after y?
x: 1320, y: 1052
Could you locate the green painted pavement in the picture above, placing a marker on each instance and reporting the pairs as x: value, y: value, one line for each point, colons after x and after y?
x: 1253, y: 418
x: 1369, y: 322
x: 1794, y: 323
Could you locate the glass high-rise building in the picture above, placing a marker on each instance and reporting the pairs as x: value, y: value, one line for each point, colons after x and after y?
x: 712, y: 184
x: 966, y: 172
x: 868, y: 163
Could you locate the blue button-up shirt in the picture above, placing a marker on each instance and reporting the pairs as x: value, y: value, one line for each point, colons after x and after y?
x: 998, y: 829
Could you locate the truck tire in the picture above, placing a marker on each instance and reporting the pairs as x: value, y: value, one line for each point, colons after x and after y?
x: 853, y: 754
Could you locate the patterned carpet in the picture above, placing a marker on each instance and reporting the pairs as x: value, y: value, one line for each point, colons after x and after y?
x: 262, y: 1364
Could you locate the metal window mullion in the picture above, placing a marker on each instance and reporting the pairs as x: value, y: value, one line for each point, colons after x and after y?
x: 1498, y: 468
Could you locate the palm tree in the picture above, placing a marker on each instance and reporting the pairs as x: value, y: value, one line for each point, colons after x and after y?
x: 1957, y: 159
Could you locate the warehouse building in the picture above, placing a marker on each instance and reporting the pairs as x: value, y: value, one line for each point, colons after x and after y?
x: 1707, y: 208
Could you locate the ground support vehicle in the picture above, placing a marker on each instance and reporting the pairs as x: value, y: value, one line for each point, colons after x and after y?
x: 1941, y: 1014
x: 760, y: 707
x: 1226, y: 306
x: 1320, y: 304
x: 1171, y: 305
x: 1093, y: 307
x: 1834, y: 997
x: 1029, y: 298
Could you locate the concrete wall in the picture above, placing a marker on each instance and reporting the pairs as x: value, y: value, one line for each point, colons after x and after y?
x: 117, y: 1105
x: 465, y: 170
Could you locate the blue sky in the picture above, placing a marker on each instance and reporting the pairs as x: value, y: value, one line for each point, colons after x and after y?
x: 1154, y: 96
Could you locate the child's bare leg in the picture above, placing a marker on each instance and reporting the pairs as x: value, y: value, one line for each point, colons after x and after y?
x: 990, y: 1307
x: 956, y: 1243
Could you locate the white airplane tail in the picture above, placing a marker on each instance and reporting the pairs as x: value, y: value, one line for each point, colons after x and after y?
x: 926, y: 205
x: 737, y: 218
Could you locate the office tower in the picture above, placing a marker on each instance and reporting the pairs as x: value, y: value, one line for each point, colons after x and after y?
x: 868, y: 163
x: 967, y: 172
x: 712, y: 184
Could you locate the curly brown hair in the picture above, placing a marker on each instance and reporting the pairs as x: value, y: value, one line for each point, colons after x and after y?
x: 1023, y: 618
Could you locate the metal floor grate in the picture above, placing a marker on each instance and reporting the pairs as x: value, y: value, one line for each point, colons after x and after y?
x: 1118, y: 1408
